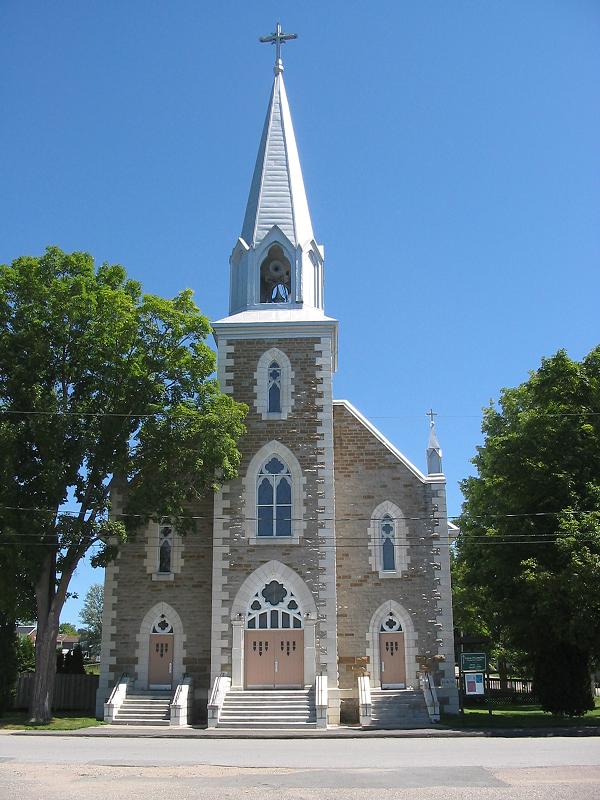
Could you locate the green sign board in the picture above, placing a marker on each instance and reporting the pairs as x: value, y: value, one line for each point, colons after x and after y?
x: 473, y: 662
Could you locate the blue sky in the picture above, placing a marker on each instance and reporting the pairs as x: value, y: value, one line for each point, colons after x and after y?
x: 450, y: 154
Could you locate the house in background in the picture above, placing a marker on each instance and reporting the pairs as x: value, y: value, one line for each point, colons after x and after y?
x: 65, y: 642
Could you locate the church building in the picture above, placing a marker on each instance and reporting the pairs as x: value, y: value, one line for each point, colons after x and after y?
x: 317, y: 587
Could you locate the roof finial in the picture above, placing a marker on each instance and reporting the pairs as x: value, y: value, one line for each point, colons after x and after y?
x: 434, y: 451
x: 278, y: 37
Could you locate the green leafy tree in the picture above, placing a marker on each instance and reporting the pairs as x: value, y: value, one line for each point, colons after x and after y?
x: 67, y: 628
x: 8, y: 661
x: 98, y: 383
x: 530, y: 528
x: 91, y: 618
x: 25, y: 654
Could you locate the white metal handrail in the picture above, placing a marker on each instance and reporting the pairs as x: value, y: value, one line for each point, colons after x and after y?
x: 321, y: 700
x: 364, y: 700
x: 220, y: 688
x: 182, y: 703
x: 431, y: 698
x: 117, y: 696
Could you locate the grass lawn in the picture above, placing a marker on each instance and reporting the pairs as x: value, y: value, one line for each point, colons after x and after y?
x: 520, y: 717
x: 92, y: 669
x: 64, y: 721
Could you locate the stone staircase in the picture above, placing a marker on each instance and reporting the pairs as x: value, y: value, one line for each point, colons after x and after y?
x: 144, y: 708
x: 398, y: 708
x: 269, y: 709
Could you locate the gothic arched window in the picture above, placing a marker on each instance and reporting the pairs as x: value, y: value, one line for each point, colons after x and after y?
x: 274, y: 388
x: 388, y: 541
x: 165, y: 548
x: 274, y: 499
x: 388, y: 548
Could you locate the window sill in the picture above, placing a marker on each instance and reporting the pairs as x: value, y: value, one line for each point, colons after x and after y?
x: 163, y: 576
x: 279, y: 540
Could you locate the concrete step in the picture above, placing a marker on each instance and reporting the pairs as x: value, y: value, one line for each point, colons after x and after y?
x: 394, y: 709
x: 264, y: 709
x: 268, y: 725
x: 140, y: 721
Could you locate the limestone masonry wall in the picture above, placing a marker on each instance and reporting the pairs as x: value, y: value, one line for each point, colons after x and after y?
x: 366, y: 474
x: 302, y: 434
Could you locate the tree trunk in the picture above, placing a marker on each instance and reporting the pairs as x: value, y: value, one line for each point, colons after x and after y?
x: 503, y: 672
x: 40, y: 705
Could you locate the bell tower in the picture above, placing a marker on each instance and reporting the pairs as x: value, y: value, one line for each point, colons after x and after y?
x: 277, y: 352
x: 276, y: 260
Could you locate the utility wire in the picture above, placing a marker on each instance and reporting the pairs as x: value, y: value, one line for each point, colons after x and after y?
x: 183, y: 413
x: 243, y: 517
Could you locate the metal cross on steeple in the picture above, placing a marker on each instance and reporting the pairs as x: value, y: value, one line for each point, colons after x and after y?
x: 431, y: 414
x: 278, y: 37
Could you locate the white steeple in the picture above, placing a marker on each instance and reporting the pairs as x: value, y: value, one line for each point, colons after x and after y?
x: 276, y: 265
x: 277, y: 194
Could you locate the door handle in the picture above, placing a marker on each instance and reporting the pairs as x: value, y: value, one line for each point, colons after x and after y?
x: 276, y: 665
x: 170, y: 667
x: 383, y: 666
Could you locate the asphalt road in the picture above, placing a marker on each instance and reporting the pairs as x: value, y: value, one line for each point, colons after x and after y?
x: 53, y: 768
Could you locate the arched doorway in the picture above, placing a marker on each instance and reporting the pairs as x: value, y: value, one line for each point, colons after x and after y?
x: 392, y: 658
x: 392, y: 618
x: 161, y: 654
x: 286, y: 624
x: 274, y: 639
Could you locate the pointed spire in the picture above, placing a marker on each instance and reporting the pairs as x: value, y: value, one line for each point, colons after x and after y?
x: 434, y: 451
x: 277, y: 194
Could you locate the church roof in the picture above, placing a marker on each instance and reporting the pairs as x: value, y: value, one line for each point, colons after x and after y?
x: 277, y: 194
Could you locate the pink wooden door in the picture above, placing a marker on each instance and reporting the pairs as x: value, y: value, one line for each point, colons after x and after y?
x: 160, y: 664
x: 259, y: 658
x: 289, y: 659
x: 392, y: 661
x: 274, y: 658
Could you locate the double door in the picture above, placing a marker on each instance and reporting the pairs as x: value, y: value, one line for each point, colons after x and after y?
x: 274, y: 659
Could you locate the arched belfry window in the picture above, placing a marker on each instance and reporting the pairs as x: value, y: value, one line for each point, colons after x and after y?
x: 388, y: 555
x: 275, y: 277
x: 274, y: 388
x: 274, y: 499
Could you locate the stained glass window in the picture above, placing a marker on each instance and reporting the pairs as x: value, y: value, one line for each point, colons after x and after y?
x: 274, y: 499
x: 274, y: 388
x: 388, y: 555
x: 165, y: 548
x: 273, y: 607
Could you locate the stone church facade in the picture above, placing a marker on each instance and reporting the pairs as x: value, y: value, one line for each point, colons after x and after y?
x: 330, y: 546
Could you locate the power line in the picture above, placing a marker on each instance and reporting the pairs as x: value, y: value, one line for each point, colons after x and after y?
x: 281, y: 541
x: 175, y: 412
x: 318, y: 518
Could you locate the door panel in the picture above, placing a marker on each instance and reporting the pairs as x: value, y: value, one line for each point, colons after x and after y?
x: 274, y: 658
x: 289, y: 659
x: 392, y: 660
x: 160, y: 664
x: 259, y: 657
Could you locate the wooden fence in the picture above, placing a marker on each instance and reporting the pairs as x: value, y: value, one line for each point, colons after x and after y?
x: 513, y: 691
x: 71, y: 692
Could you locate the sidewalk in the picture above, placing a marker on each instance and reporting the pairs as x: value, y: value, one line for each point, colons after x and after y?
x: 341, y: 732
